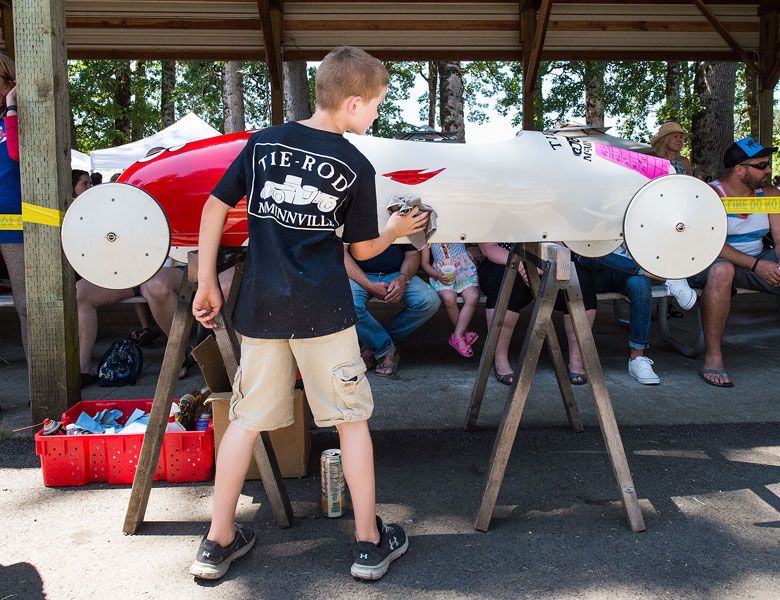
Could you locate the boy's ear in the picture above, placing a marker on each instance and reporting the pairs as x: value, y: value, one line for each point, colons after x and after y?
x: 352, y: 103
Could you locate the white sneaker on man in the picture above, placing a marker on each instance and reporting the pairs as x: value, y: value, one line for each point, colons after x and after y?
x: 640, y: 368
x: 682, y: 292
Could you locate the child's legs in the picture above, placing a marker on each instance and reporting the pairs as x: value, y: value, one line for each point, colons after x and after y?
x: 450, y: 300
x: 262, y: 401
x: 470, y: 299
x: 235, y: 452
x: 334, y: 377
x: 357, y: 459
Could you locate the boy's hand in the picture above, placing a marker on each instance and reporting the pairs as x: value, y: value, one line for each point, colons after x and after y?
x: 405, y: 225
x: 206, y: 305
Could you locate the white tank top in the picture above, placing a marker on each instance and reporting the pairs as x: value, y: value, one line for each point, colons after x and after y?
x: 745, y: 231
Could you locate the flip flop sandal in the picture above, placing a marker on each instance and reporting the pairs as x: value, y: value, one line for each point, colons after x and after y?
x: 391, y: 364
x: 720, y: 373
x: 471, y: 337
x: 461, y: 346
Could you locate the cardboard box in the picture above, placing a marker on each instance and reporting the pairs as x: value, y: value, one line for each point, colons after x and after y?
x: 292, y: 445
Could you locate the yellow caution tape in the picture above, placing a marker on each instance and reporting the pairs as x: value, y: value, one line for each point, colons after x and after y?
x: 32, y: 213
x: 10, y: 222
x: 752, y: 204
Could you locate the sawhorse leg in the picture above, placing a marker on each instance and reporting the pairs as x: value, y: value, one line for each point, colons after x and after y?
x: 548, y: 289
x: 161, y: 406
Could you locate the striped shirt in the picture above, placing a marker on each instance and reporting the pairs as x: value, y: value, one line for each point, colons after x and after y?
x: 745, y: 232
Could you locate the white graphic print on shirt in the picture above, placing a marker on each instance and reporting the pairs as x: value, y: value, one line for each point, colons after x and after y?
x: 301, y: 189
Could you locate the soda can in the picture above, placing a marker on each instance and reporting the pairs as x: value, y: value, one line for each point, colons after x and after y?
x: 334, y: 502
x: 203, y: 422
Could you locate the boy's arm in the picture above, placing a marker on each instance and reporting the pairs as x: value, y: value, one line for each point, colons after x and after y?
x: 397, y: 226
x: 208, y: 299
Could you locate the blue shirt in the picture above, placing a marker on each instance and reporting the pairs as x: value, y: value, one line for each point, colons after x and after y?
x: 10, y: 190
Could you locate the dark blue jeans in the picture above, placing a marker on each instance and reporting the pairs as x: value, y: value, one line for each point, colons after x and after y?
x: 614, y: 273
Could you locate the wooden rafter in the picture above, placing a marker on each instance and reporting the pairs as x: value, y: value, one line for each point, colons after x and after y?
x: 531, y: 66
x: 727, y: 37
x: 270, y: 23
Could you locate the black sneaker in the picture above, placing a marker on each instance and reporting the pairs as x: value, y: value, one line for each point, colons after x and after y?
x: 372, y: 561
x: 213, y: 560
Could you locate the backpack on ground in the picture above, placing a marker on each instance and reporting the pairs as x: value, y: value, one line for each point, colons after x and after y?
x: 121, y: 364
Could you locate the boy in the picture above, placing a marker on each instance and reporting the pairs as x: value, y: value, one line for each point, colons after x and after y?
x: 302, y: 180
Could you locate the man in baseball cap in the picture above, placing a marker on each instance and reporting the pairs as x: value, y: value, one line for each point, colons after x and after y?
x: 744, y: 261
x: 743, y: 150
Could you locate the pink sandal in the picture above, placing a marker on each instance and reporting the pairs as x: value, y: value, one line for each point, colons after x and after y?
x: 461, y: 346
x: 471, y: 337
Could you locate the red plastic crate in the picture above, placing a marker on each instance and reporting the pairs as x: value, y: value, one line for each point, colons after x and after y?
x: 81, y: 459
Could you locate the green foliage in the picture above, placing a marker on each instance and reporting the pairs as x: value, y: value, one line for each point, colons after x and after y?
x: 402, y: 78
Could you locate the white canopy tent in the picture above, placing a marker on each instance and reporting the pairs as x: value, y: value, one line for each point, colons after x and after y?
x: 187, y: 129
x: 79, y: 160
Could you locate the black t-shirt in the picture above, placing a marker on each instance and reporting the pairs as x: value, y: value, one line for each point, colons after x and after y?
x: 301, y: 185
x: 388, y: 261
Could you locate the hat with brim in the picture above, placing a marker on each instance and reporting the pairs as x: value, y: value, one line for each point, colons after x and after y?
x: 745, y: 149
x: 667, y: 128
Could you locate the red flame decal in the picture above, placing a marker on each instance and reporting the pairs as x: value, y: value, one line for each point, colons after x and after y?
x: 413, y: 176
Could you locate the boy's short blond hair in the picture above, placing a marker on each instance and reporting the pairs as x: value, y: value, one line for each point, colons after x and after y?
x: 348, y: 71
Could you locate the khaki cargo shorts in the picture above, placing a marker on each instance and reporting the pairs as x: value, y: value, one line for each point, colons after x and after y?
x: 334, y: 377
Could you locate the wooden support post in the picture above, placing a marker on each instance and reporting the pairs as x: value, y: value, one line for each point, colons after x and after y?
x: 769, y: 65
x: 272, y: 24
x: 510, y: 421
x: 44, y: 132
x: 556, y: 355
x: 489, y: 350
x: 163, y: 398
x: 533, y: 32
x: 556, y: 277
x: 604, y: 412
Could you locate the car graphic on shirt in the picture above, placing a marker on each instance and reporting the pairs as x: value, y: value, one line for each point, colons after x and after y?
x: 292, y: 192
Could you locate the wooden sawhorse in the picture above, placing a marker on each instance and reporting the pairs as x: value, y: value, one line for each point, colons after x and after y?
x: 558, y: 274
x: 166, y: 386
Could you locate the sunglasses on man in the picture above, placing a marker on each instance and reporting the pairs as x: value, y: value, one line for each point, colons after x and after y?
x: 760, y: 166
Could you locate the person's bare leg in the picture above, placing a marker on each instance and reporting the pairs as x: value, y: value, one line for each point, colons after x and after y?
x: 470, y: 300
x: 88, y: 297
x: 160, y: 292
x: 450, y: 301
x: 501, y: 359
x: 715, y: 309
x: 575, y: 355
x: 357, y: 459
x: 235, y: 452
x: 144, y: 315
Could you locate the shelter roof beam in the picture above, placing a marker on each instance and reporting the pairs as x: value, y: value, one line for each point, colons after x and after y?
x: 727, y: 37
x: 271, y: 14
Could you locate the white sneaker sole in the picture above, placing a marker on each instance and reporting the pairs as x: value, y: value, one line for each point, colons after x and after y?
x: 689, y: 303
x: 367, y: 573
x: 646, y: 380
x: 207, y: 571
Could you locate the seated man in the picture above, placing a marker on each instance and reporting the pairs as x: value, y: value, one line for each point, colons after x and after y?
x: 743, y: 262
x: 619, y: 272
x: 390, y: 277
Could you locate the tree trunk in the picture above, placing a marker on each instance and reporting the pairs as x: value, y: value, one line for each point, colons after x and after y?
x: 433, y: 82
x: 139, y: 98
x: 123, y: 94
x: 451, y: 99
x: 751, y: 101
x: 296, y: 91
x: 712, y: 127
x: 594, y: 93
x: 233, y: 96
x: 671, y: 110
x: 167, y: 102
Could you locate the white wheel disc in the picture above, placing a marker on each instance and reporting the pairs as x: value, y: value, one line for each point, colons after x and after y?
x: 115, y: 235
x: 675, y: 226
x: 594, y: 249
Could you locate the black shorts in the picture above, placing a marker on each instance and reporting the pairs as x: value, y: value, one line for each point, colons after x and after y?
x: 490, y: 277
